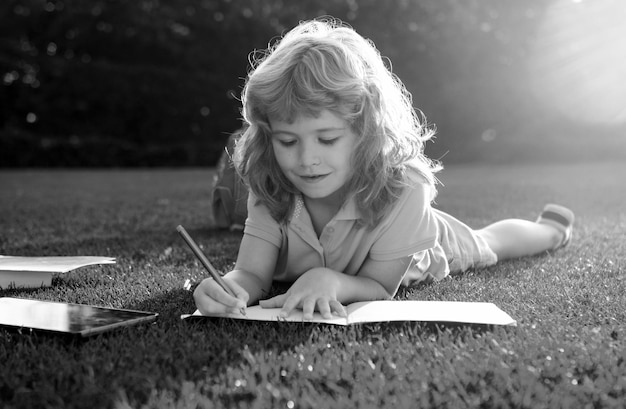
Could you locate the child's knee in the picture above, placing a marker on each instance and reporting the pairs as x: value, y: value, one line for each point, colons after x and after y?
x: 491, y: 239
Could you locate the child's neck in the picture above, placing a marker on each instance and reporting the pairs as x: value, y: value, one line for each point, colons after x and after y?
x: 322, y: 210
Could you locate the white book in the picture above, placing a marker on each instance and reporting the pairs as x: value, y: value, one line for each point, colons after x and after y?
x: 33, y: 272
x: 384, y: 311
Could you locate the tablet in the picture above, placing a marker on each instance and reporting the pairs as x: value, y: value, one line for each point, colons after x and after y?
x: 27, y: 316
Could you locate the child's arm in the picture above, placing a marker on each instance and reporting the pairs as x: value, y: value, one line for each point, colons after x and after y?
x: 325, y: 290
x: 251, y: 278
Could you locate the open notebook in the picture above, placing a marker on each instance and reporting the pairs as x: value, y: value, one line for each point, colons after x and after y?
x: 385, y: 311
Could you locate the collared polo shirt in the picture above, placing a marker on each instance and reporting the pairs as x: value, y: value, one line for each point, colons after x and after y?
x: 410, y: 228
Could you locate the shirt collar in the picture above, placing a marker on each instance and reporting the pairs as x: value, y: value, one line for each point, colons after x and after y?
x: 349, y: 211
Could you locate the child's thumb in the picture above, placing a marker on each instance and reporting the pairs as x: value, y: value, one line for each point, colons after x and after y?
x: 274, y: 302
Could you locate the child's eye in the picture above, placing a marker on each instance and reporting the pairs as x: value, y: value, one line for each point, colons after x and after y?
x: 328, y: 141
x: 286, y: 143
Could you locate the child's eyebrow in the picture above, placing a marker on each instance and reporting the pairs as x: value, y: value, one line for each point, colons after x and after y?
x: 331, y: 129
x: 279, y: 132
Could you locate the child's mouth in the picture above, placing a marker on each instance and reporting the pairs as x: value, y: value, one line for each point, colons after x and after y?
x: 312, y: 178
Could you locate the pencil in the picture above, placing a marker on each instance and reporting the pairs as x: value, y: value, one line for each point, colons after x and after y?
x: 206, y: 263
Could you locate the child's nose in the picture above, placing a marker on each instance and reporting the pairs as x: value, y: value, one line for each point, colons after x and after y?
x: 309, y: 155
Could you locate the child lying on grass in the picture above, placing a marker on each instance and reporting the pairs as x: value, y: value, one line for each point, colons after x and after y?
x: 340, y: 188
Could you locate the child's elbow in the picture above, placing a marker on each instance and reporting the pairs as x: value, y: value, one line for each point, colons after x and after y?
x: 386, y: 292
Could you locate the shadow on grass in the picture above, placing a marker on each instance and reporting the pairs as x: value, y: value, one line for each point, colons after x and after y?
x: 171, y: 355
x: 142, y: 363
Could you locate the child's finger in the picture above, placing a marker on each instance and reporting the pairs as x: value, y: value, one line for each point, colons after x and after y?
x: 222, y: 296
x: 207, y: 305
x: 274, y: 302
x: 338, y: 308
x: 289, y: 304
x: 211, y: 298
x: 323, y: 307
x: 239, y: 291
x: 308, y: 307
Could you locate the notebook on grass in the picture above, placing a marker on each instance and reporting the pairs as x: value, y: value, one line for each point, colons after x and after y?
x: 385, y: 311
x: 26, y: 316
x: 34, y: 272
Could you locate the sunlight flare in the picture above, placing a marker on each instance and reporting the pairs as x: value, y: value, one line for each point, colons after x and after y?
x: 578, y: 60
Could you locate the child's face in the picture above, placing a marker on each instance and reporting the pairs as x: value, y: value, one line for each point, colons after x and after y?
x: 314, y: 153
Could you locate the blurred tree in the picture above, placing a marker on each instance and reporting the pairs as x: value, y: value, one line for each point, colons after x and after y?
x: 151, y: 75
x: 156, y: 82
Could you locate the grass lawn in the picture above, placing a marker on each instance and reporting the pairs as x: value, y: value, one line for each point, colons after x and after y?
x: 568, y: 350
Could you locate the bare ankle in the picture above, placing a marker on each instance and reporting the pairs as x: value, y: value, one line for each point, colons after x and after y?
x: 556, y: 236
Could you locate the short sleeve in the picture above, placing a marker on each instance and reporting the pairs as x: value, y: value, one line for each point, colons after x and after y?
x: 410, y: 227
x: 260, y: 222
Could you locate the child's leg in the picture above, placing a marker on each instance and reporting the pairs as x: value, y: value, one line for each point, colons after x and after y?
x: 514, y: 238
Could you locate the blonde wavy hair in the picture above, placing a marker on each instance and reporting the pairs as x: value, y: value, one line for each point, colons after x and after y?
x: 326, y: 65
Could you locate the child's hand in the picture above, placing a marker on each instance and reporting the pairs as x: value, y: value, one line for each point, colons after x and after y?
x: 315, y: 289
x: 211, y: 298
